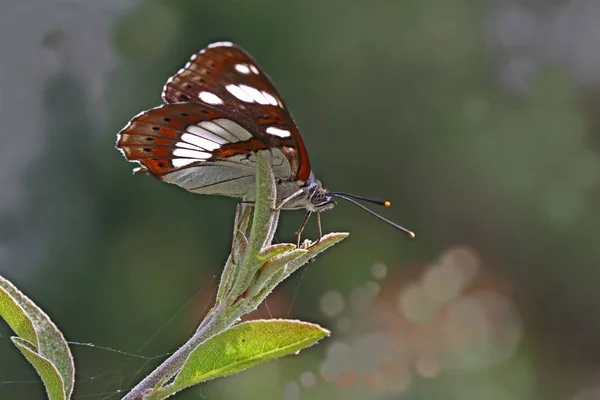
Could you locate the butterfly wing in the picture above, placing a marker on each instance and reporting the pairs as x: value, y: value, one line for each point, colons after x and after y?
x: 200, y: 149
x: 227, y: 79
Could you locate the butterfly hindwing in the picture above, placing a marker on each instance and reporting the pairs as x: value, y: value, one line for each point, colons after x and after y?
x: 198, y: 148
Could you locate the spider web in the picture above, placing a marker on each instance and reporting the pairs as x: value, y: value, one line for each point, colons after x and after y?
x: 131, y: 366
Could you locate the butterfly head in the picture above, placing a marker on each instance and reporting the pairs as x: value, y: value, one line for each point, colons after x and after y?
x: 320, y: 199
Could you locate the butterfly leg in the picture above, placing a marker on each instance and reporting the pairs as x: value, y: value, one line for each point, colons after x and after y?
x: 320, y: 230
x: 299, y: 231
x: 319, y: 225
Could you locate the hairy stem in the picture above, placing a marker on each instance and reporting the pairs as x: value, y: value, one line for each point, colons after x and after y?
x: 252, y: 271
x: 172, y: 365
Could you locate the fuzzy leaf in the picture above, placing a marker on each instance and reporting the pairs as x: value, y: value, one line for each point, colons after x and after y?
x: 275, y: 250
x: 48, y: 343
x: 45, y: 368
x: 326, y: 242
x: 245, y: 345
x: 16, y: 318
x: 273, y: 268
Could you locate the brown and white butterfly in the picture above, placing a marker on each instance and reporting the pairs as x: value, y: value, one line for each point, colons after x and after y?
x: 221, y: 110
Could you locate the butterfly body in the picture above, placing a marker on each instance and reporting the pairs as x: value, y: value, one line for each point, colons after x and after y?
x: 221, y: 110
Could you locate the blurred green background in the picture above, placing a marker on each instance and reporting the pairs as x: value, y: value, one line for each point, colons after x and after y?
x: 477, y: 119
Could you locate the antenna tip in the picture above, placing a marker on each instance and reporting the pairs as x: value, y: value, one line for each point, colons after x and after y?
x: 387, y: 203
x: 411, y: 234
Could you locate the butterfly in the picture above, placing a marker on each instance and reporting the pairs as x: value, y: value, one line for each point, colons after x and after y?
x: 220, y: 110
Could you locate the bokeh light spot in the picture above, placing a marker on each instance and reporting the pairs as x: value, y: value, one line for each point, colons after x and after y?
x: 379, y: 270
x: 415, y: 304
x: 332, y: 303
x: 308, y: 379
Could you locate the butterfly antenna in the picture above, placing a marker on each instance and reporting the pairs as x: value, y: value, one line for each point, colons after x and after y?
x: 347, y: 197
x: 378, y: 202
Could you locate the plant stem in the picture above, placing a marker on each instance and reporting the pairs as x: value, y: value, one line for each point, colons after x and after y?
x: 252, y: 271
x: 210, y: 326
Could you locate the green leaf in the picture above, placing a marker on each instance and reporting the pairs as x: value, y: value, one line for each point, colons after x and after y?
x: 45, y: 341
x: 273, y: 268
x: 246, y: 345
x: 326, y: 241
x: 45, y: 368
x: 16, y: 318
x: 275, y: 250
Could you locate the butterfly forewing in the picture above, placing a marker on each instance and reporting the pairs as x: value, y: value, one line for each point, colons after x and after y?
x: 226, y: 78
